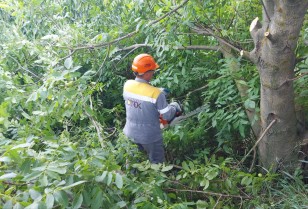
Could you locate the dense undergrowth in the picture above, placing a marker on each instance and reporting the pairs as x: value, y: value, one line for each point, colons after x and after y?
x: 62, y: 114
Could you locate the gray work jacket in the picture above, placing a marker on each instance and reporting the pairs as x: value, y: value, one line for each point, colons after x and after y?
x: 144, y: 104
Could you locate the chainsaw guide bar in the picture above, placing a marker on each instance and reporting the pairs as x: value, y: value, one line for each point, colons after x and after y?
x: 181, y: 118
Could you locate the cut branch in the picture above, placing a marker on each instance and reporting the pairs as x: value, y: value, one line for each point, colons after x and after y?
x: 254, y: 27
x: 245, y: 54
x: 268, y: 35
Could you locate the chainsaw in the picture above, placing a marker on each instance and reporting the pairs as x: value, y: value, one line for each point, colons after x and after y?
x: 179, y: 118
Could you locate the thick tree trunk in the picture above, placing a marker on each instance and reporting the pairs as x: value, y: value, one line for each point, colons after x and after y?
x: 275, y: 41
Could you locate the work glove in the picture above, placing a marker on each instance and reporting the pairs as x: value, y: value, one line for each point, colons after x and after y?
x: 165, y: 91
x: 177, y: 108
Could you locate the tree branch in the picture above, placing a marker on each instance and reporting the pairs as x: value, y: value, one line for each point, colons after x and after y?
x: 246, y: 55
x: 92, y: 46
x: 168, y: 14
x: 25, y: 68
x: 198, y: 47
x: 220, y: 39
x: 258, y: 141
x: 135, y: 46
x: 293, y: 79
x: 265, y: 10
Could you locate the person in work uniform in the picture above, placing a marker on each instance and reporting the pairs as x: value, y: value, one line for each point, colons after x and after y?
x: 144, y: 105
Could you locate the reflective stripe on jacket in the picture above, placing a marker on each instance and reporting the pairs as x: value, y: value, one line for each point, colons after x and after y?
x: 144, y: 103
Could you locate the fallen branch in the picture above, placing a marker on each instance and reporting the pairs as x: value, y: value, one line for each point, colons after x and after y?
x: 258, y: 141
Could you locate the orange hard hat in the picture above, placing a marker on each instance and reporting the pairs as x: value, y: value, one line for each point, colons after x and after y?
x: 143, y: 63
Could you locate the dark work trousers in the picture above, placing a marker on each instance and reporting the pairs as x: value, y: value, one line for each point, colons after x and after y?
x: 155, y: 151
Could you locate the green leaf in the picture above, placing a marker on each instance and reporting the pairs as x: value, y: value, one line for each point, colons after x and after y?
x: 72, y: 185
x: 68, y: 63
x: 26, y: 115
x: 166, y: 168
x: 60, y: 170
x: 205, y: 183
x: 109, y: 179
x: 175, y: 79
x: 246, y: 180
x: 97, y: 202
x: 121, y: 204
x: 53, y: 175
x: 62, y: 198
x: 77, y: 202
x: 25, y: 145
x: 32, y: 176
x: 50, y: 201
x: 185, y: 166
x: 35, y: 195
x: 18, y: 206
x: 102, y: 177
x: 5, y: 159
x: 8, y: 176
x: 119, y: 180
x: 140, y: 199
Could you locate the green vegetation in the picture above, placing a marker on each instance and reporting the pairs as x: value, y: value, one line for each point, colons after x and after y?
x: 62, y: 68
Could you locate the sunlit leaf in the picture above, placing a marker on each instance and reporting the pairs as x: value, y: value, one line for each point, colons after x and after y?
x: 8, y: 176
x: 77, y: 202
x: 119, y: 180
x: 50, y: 201
x: 73, y: 185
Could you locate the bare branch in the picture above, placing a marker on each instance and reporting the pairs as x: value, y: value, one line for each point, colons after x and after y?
x: 220, y: 39
x: 106, y: 43
x: 265, y: 10
x: 167, y: 14
x: 135, y: 46
x: 293, y: 79
x: 25, y: 69
x: 258, y: 141
x: 198, y: 47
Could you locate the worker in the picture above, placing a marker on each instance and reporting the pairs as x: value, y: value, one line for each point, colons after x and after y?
x: 144, y: 105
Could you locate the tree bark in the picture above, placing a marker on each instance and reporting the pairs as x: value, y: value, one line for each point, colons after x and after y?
x: 275, y: 42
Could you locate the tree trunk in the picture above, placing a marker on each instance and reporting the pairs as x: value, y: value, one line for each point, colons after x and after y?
x: 275, y: 42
